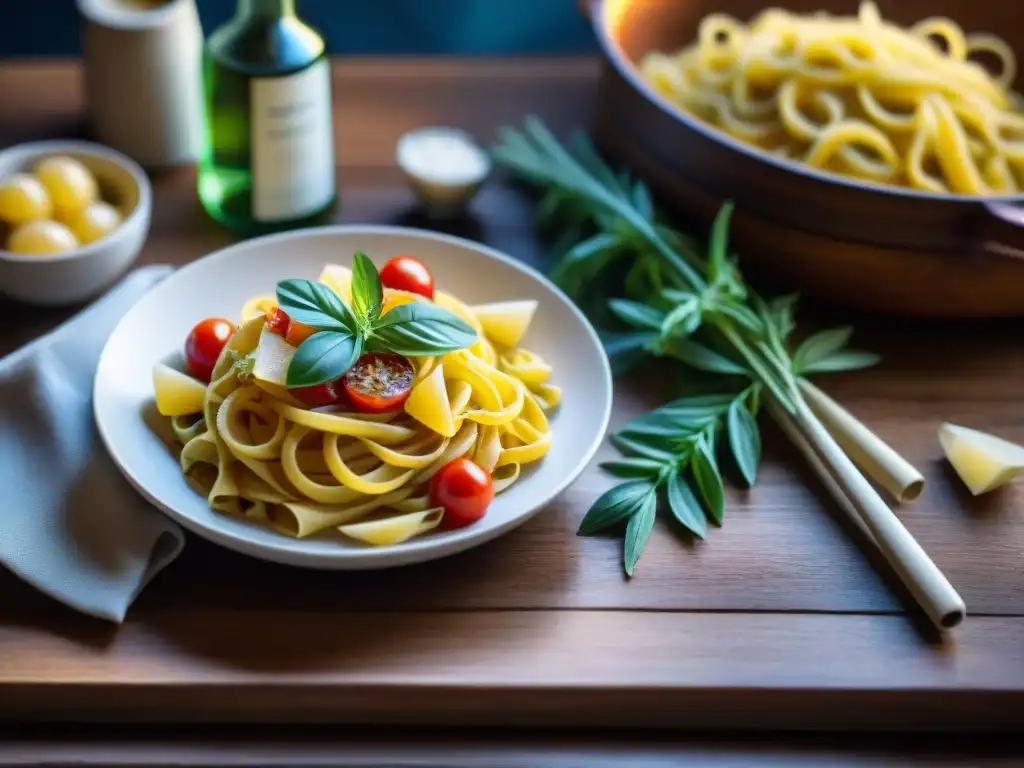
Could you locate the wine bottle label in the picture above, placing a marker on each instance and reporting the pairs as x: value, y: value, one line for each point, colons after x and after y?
x: 292, y: 144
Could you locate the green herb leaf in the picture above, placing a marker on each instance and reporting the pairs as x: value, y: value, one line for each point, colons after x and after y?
x: 244, y: 366
x: 419, y: 328
x: 614, y: 506
x: 636, y: 314
x: 744, y: 440
x: 656, y: 431
x: 820, y: 346
x: 847, y: 360
x: 781, y: 309
x: 742, y: 315
x: 315, y: 305
x: 633, y: 468
x: 324, y: 356
x: 709, y: 482
x: 700, y: 357
x: 640, y: 448
x: 685, y: 315
x: 716, y: 402
x: 638, y: 530
x: 626, y: 350
x: 642, y: 200
x: 367, y: 292
x: 719, y: 242
x: 588, y: 248
x: 684, y: 506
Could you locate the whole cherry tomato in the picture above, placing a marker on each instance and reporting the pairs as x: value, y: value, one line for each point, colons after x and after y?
x: 204, y: 344
x: 464, y: 489
x: 408, y: 274
x: 379, y: 382
x: 278, y: 321
x: 328, y: 393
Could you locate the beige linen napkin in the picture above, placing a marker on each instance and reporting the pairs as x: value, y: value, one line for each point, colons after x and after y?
x: 70, y: 524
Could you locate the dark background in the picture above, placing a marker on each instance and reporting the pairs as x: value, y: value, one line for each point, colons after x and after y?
x: 365, y: 27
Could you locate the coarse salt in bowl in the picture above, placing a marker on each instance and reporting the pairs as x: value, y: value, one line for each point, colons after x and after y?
x: 445, y: 167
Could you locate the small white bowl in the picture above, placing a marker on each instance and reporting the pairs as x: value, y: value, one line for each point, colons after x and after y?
x: 444, y: 166
x: 82, y: 274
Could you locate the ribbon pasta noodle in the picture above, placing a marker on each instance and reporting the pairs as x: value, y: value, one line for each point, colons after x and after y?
x: 857, y: 96
x: 257, y: 453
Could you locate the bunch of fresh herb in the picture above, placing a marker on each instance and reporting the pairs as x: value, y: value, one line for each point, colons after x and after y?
x: 344, y: 333
x: 679, y: 302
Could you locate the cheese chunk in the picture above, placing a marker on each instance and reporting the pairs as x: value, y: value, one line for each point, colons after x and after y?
x: 984, y: 462
x: 394, y: 530
x: 177, y: 394
x: 428, y: 404
x: 273, y: 356
x: 506, y: 322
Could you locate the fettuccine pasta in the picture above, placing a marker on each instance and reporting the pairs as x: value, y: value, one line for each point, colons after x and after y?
x: 251, y: 445
x: 857, y: 96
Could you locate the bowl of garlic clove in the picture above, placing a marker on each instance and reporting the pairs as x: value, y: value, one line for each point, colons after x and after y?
x: 73, y: 217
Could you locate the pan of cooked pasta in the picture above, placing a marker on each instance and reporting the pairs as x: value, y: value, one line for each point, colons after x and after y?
x: 875, y: 150
x: 353, y: 397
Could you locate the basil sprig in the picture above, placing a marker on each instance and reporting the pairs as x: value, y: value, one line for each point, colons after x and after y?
x: 344, y: 333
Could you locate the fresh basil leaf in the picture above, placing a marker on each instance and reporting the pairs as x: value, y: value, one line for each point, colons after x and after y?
x: 324, y: 356
x: 636, y: 314
x: 315, y: 305
x: 419, y: 328
x: 684, y: 506
x: 638, y: 530
x: 709, y: 482
x: 847, y: 360
x: 640, y: 448
x: 638, y: 468
x: 614, y: 506
x: 718, y: 246
x: 701, y: 358
x: 744, y: 440
x: 367, y: 292
x: 820, y: 346
x: 626, y: 350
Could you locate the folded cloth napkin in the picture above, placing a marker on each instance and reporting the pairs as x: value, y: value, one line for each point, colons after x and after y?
x: 70, y: 524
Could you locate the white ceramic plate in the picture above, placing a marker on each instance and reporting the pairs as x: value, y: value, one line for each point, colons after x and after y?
x: 155, y: 329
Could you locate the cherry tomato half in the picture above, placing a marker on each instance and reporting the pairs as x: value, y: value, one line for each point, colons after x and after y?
x: 405, y: 273
x: 328, y: 393
x: 298, y: 333
x: 294, y: 332
x: 379, y: 382
x: 204, y: 344
x: 465, y: 491
x: 278, y: 321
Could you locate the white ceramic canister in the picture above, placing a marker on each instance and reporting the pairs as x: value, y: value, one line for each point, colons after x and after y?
x: 143, y: 78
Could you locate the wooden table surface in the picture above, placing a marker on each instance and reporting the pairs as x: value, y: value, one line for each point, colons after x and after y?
x: 782, y: 619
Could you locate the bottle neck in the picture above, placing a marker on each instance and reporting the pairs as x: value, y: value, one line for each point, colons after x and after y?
x: 265, y: 9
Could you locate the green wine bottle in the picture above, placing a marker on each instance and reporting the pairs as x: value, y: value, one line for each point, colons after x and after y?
x: 267, y: 162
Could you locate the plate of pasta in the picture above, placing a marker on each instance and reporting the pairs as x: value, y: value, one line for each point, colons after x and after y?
x: 353, y: 397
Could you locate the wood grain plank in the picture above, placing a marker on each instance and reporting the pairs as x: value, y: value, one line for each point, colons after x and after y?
x: 568, y: 668
x: 492, y: 748
x: 540, y: 626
